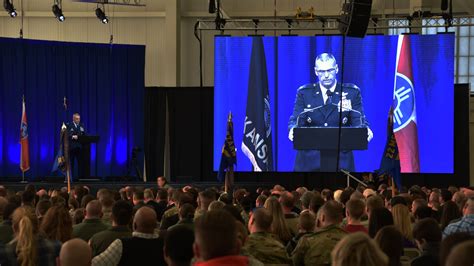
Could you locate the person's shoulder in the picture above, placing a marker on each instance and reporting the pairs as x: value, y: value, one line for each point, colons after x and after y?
x: 307, y: 86
x: 350, y: 87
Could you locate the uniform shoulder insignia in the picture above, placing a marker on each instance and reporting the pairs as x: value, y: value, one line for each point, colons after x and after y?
x: 306, y: 86
x: 351, y: 86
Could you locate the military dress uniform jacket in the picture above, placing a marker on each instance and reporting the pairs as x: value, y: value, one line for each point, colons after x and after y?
x: 72, y: 130
x: 310, y: 96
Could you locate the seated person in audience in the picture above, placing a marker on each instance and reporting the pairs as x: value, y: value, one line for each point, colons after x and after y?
x: 6, y: 230
x: 402, y: 221
x: 462, y: 254
x: 287, y: 201
x: 354, y: 212
x: 427, y: 235
x: 279, y: 227
x: 107, y: 200
x: 379, y: 218
x: 171, y: 216
x: 204, y: 200
x: 142, y: 248
x: 216, y: 241
x: 417, y: 203
x: 422, y: 212
x: 390, y: 241
x: 91, y: 224
x: 57, y: 224
x: 161, y: 203
x: 138, y: 200
x: 373, y: 202
x: 28, y: 246
x: 41, y: 208
x: 460, y: 199
x: 449, y: 242
x: 216, y: 205
x: 306, y: 224
x: 186, y: 217
x: 466, y: 224
x: 122, y: 212
x: 260, y: 201
x: 316, y: 202
x: 358, y: 249
x: 178, y: 246
x: 450, y: 213
x: 305, y: 200
x: 261, y: 243
x: 75, y: 252
x: 315, y: 248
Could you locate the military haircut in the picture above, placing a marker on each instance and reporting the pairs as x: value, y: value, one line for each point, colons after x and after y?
x: 287, y: 199
x: 216, y: 234
x: 355, y: 208
x: 263, y: 219
x: 374, y: 202
x: 332, y: 210
x: 427, y: 229
x: 307, y: 221
x: 324, y: 57
x: 186, y: 211
x: 122, y: 212
x: 178, y: 245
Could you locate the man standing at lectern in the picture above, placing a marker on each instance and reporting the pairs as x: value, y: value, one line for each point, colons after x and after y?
x: 317, y: 105
x: 75, y: 129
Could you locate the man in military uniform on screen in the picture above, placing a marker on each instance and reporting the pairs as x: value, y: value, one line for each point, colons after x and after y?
x: 75, y: 129
x: 317, y: 105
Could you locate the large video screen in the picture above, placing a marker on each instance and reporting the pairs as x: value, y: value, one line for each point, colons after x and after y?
x: 278, y: 86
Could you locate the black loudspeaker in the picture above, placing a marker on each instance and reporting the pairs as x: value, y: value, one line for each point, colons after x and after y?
x: 355, y: 18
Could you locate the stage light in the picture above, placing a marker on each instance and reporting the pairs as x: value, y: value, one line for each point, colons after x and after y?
x: 58, y: 12
x: 9, y: 8
x: 101, y: 15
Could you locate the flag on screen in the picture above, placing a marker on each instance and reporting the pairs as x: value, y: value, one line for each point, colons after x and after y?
x: 404, y: 126
x: 229, y: 156
x: 25, y: 150
x: 257, y: 139
x: 390, y: 163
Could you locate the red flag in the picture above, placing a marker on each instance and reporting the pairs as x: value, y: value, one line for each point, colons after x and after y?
x: 25, y: 153
x: 405, y: 128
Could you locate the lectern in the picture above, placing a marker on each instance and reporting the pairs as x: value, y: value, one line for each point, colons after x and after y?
x: 325, y: 140
x: 86, y: 142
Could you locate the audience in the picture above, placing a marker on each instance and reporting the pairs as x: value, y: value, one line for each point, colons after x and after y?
x: 216, y: 240
x: 261, y: 243
x: 390, y: 241
x: 178, y: 246
x: 122, y: 212
x: 92, y: 223
x: 466, y: 224
x: 57, y: 224
x: 354, y: 211
x: 379, y: 218
x: 427, y: 235
x: 462, y: 254
x: 357, y: 249
x: 140, y: 249
x: 315, y: 249
x: 299, y: 227
x: 75, y: 252
x: 28, y: 246
x: 450, y: 242
x: 279, y: 227
x: 306, y: 224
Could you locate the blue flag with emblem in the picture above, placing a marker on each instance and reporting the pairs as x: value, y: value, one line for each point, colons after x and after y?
x: 229, y: 157
x: 257, y: 140
x: 390, y: 164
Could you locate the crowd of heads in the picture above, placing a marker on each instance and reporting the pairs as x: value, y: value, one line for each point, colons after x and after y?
x: 361, y: 226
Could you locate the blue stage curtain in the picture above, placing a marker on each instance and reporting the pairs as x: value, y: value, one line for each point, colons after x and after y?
x: 102, y: 82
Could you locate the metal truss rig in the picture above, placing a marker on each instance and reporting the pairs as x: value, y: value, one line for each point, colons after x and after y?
x: 323, y: 24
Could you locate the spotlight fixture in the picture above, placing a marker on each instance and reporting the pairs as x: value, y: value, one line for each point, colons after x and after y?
x: 58, y: 12
x: 9, y: 8
x: 101, y: 15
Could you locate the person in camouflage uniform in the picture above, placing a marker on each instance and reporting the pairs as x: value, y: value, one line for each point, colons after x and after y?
x: 315, y: 248
x: 262, y: 244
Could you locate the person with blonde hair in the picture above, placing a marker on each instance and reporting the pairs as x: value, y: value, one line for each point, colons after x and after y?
x: 279, y: 227
x: 402, y: 221
x: 57, y: 224
x: 28, y: 248
x: 358, y: 249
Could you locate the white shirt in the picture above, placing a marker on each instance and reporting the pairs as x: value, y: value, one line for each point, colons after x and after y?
x: 324, y: 91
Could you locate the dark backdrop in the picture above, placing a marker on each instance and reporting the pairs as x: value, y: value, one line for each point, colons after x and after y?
x: 104, y: 83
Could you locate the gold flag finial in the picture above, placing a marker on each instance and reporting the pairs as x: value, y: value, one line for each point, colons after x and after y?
x: 229, y: 118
